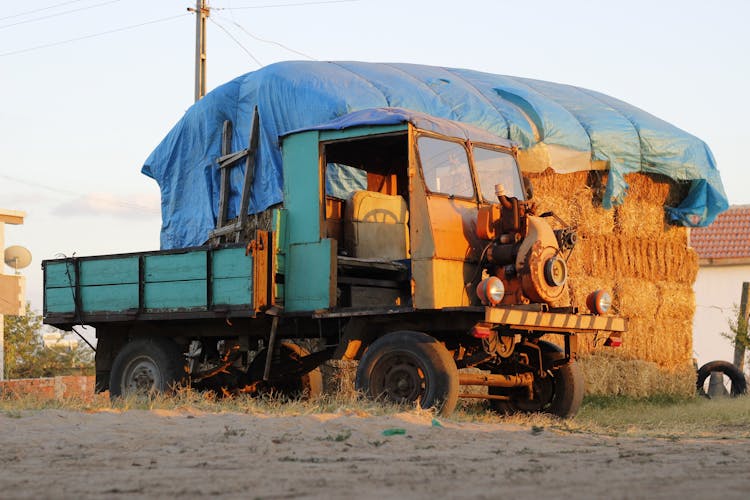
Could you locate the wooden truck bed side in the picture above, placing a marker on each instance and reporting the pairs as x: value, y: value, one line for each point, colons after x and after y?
x: 196, y: 282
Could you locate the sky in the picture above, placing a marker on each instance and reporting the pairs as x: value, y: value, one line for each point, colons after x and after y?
x: 88, y: 88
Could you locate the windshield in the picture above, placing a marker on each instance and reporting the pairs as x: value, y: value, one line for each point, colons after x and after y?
x: 445, y: 166
x: 496, y: 167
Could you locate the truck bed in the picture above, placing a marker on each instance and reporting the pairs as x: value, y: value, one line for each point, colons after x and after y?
x: 197, y: 282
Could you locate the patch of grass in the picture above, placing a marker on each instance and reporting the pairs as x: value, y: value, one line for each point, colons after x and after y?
x: 670, y: 416
x: 666, y: 416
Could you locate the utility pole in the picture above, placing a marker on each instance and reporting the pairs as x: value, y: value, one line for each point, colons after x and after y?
x: 742, y: 321
x: 202, y: 11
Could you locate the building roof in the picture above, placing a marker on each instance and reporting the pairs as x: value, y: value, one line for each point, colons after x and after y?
x: 726, y: 240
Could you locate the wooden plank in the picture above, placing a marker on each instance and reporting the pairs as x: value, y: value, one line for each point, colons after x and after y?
x: 109, y: 271
x: 59, y: 300
x: 175, y: 267
x: 232, y: 291
x: 231, y: 263
x: 112, y: 298
x: 59, y: 274
x: 175, y: 295
x: 224, y: 191
x: 249, y: 168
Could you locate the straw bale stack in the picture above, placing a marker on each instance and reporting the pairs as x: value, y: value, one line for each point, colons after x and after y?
x: 645, y: 263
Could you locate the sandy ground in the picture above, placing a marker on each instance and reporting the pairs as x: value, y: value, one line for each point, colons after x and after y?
x: 167, y: 454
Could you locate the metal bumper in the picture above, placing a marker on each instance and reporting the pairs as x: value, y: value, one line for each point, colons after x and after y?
x: 553, y: 322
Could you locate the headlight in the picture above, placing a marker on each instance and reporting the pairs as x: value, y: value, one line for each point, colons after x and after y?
x: 491, y: 291
x: 599, y: 302
x: 555, y: 271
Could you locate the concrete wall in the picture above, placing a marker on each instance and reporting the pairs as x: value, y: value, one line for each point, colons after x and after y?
x: 717, y: 292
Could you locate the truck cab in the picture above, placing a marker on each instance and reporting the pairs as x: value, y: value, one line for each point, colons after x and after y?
x: 427, y: 200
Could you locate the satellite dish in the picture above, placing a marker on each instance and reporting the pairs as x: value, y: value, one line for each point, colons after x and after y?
x: 17, y: 257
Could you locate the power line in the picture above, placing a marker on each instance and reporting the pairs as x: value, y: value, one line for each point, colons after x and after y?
x: 85, y: 37
x: 269, y: 41
x: 237, y: 42
x: 65, y: 192
x: 298, y: 4
x: 58, y: 14
x: 40, y: 9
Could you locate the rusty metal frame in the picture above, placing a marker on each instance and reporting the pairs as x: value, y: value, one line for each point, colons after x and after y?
x: 552, y: 322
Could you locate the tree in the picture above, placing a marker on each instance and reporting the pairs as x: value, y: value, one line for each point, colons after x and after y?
x: 26, y: 355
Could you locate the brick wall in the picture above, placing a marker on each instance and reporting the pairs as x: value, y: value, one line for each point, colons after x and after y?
x: 79, y: 387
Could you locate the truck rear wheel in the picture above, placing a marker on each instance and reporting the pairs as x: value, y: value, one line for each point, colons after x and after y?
x: 560, y: 392
x: 409, y: 367
x: 145, y: 366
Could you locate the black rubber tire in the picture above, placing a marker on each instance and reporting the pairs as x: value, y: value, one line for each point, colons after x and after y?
x: 739, y: 383
x: 560, y: 393
x: 407, y: 367
x: 146, y: 365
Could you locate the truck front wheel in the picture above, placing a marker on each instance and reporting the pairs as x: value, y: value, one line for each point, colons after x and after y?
x: 408, y: 367
x: 559, y: 392
x: 146, y: 366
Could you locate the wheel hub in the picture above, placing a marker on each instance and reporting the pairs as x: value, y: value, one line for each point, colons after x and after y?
x: 142, y: 377
x: 402, y: 380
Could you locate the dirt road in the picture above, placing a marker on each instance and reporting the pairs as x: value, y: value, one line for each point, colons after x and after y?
x: 160, y: 454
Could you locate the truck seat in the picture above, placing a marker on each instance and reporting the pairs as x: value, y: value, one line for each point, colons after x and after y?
x: 376, y: 226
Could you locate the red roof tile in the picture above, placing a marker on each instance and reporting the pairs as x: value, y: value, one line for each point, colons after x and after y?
x: 728, y: 237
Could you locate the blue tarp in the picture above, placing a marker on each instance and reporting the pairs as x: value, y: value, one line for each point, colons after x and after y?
x: 561, y: 127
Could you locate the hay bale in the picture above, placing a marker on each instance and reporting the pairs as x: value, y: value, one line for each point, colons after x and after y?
x: 611, y: 374
x: 338, y: 377
x: 645, y: 263
x: 575, y: 198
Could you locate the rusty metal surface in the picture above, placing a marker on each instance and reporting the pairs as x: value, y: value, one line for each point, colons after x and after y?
x: 260, y: 249
x: 518, y: 380
x: 553, y: 322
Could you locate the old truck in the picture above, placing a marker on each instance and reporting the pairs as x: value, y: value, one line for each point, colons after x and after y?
x: 429, y: 259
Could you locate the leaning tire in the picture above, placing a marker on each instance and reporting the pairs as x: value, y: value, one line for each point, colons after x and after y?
x: 559, y: 393
x: 146, y: 366
x: 408, y: 367
x: 737, y: 378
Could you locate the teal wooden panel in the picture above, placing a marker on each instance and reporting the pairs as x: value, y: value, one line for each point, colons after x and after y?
x: 109, y: 298
x: 109, y: 271
x: 308, y: 280
x: 332, y: 135
x: 175, y: 267
x: 302, y: 187
x: 175, y: 295
x: 231, y: 263
x: 59, y: 300
x: 232, y: 291
x: 55, y: 274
